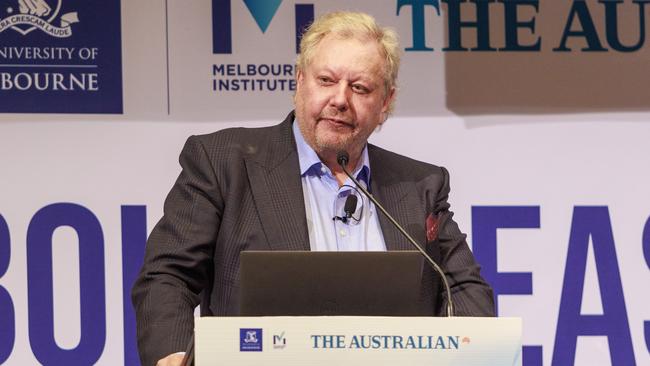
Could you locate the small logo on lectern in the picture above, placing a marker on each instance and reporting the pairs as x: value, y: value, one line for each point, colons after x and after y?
x: 250, y: 340
x: 279, y: 341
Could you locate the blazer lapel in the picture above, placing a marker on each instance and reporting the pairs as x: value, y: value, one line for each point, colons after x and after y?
x: 274, y: 178
x: 400, y: 199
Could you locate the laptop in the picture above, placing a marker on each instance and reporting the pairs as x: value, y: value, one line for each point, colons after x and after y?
x: 296, y: 283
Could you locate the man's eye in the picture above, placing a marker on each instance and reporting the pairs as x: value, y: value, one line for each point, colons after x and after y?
x: 358, y: 88
x: 325, y: 80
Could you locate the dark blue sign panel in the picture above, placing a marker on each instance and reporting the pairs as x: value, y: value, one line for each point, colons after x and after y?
x: 250, y: 340
x: 60, y: 56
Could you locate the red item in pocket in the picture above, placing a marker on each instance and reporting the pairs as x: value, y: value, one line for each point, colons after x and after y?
x: 432, y: 227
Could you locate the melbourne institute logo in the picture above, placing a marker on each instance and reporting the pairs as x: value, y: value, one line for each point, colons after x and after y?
x: 255, y: 75
x: 25, y: 16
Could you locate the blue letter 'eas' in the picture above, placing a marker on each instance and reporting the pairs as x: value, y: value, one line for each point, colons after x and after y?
x: 594, y: 223
x: 486, y: 220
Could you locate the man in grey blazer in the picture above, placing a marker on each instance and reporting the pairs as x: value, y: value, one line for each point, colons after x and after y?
x: 244, y: 189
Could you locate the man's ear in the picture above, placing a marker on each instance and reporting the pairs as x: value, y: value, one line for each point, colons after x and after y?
x: 388, y: 101
x: 390, y: 97
x: 300, y: 76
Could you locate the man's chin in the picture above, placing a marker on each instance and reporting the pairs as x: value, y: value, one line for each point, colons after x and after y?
x: 332, y: 145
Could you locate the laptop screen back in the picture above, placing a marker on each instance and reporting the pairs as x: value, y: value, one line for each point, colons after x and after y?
x: 293, y: 283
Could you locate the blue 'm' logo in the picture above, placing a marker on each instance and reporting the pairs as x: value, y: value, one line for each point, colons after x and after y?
x: 262, y: 11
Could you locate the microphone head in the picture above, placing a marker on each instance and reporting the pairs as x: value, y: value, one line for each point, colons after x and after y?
x: 342, y: 157
x: 350, y: 205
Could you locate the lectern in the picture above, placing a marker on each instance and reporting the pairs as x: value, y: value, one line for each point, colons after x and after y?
x: 357, y: 340
x: 363, y: 283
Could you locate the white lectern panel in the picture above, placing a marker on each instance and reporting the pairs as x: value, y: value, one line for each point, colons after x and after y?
x: 341, y: 341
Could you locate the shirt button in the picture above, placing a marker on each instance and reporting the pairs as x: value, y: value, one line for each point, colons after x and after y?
x: 342, y: 232
x: 323, y: 169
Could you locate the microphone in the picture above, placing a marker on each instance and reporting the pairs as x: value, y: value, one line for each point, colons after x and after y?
x: 342, y: 158
x: 349, y: 208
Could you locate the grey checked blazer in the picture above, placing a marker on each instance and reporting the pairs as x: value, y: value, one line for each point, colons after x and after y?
x: 240, y: 189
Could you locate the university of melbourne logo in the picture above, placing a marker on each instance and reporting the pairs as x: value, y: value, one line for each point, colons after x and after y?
x: 24, y: 16
x: 60, y: 56
x: 250, y: 340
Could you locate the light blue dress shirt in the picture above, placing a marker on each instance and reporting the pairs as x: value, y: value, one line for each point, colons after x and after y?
x: 324, y: 200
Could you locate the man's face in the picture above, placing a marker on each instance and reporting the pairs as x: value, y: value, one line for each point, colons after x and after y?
x: 341, y: 95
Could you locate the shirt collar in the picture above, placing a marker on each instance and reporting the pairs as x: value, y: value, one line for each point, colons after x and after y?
x: 310, y: 163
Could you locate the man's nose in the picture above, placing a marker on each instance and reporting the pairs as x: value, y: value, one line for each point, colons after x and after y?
x: 340, y: 98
